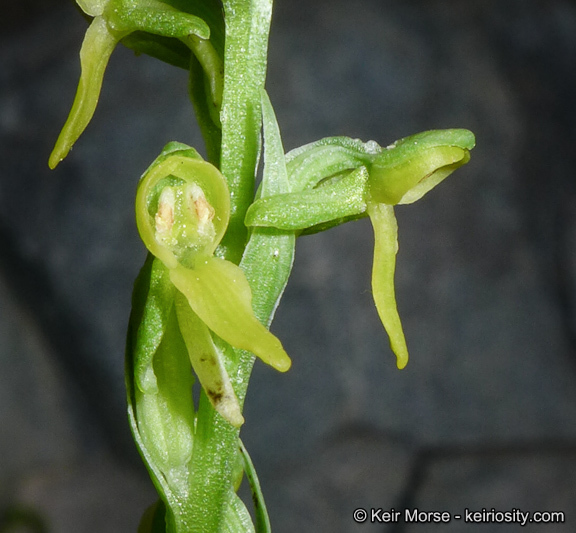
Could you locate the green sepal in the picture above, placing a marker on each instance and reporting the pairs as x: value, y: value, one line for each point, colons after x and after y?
x: 178, y: 168
x: 175, y: 148
x: 308, y: 165
x: 331, y: 224
x: 208, y: 363
x: 209, y: 11
x: 213, y: 75
x: 340, y: 197
x: 385, y: 250
x: 407, y: 169
x: 218, y: 292
x: 199, y: 91
x: 207, y: 71
x: 436, y: 177
x: 97, y: 47
x: 160, y: 18
x: 93, y: 8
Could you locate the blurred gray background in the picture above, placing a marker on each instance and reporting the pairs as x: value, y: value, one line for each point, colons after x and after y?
x: 484, y: 416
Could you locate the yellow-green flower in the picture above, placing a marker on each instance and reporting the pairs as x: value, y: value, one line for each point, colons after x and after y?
x: 182, y: 211
x: 339, y: 179
x: 401, y: 174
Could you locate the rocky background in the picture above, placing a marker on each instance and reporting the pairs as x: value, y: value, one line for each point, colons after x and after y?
x: 484, y: 416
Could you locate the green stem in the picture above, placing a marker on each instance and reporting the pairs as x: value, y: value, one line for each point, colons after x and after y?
x: 215, y: 451
x: 246, y: 47
x: 216, y: 441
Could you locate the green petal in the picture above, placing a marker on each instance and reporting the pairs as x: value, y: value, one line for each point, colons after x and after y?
x: 385, y: 249
x: 97, y: 47
x: 208, y: 363
x: 219, y: 294
x: 213, y: 74
x: 427, y: 184
x: 409, y: 163
x: 308, y: 165
x: 340, y: 197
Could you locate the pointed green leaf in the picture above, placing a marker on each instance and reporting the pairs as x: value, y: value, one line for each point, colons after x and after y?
x: 260, y: 511
x: 269, y: 254
x: 247, y: 28
x: 275, y: 175
x: 236, y: 517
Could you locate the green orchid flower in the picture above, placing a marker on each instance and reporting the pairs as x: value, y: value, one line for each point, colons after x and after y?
x: 114, y: 20
x: 339, y: 179
x: 182, y: 211
x: 401, y: 174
